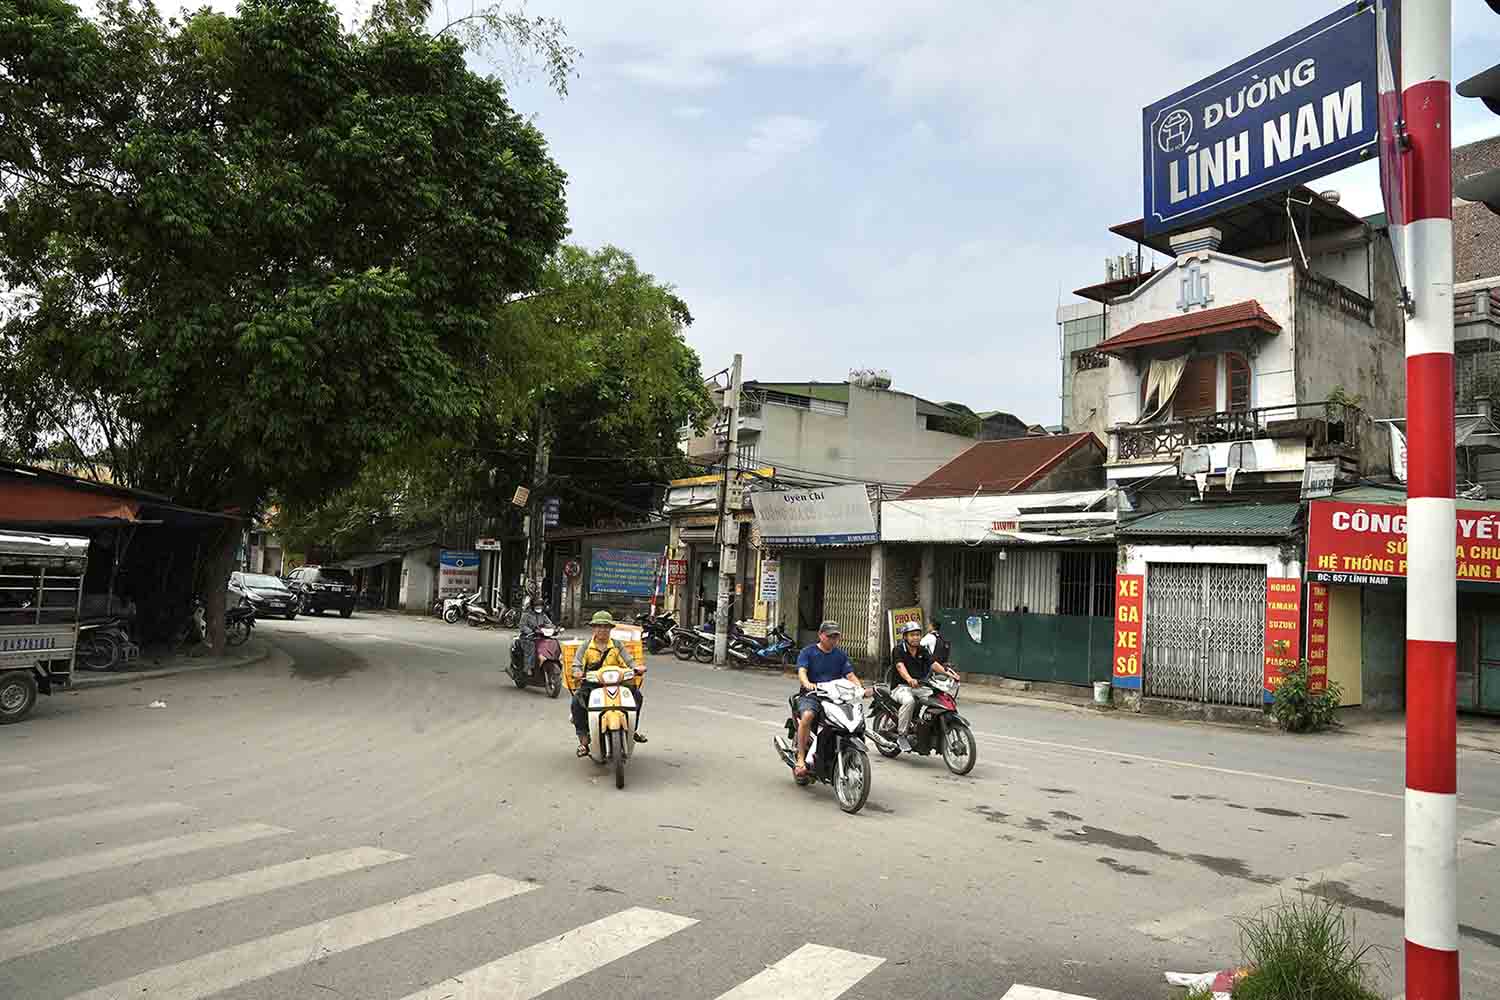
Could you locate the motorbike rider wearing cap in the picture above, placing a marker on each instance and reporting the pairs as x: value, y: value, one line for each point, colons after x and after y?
x: 911, y: 663
x: 819, y: 663
x: 601, y: 652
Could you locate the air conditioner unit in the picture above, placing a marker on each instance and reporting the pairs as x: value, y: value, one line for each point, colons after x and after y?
x: 1195, y: 459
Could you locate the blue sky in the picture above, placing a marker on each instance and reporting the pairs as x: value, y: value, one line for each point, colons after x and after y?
x: 904, y: 185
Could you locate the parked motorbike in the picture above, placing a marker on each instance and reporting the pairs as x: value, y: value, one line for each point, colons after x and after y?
x: 547, y: 666
x: 483, y: 616
x: 936, y: 725
x: 776, y: 649
x: 694, y: 643
x: 656, y: 631
x: 836, y: 753
x: 454, y: 608
x: 105, y: 645
x: 238, y: 624
x: 613, y: 711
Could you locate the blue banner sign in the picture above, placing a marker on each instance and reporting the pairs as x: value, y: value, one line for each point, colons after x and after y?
x: 629, y: 572
x: 1292, y: 112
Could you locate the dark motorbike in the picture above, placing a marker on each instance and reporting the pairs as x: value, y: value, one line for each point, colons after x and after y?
x: 656, y: 631
x: 837, y: 753
x: 546, y: 667
x: 105, y: 644
x: 239, y: 622
x: 936, y: 726
x: 694, y: 643
x: 777, y: 649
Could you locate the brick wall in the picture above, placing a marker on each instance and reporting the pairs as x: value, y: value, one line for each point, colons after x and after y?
x: 1476, y: 230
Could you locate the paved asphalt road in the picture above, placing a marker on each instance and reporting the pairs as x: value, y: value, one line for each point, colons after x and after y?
x: 376, y: 812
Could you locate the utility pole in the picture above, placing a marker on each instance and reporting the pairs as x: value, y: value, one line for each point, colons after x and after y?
x: 1431, y: 587
x: 728, y: 528
x: 536, y: 518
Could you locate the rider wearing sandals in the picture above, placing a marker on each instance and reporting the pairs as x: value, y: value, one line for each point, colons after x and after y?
x: 819, y: 663
x: 599, y: 653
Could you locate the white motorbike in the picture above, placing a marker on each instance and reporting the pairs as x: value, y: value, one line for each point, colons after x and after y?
x: 836, y: 753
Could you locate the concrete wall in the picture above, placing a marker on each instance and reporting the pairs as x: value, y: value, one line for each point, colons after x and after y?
x: 1091, y: 402
x: 1334, y: 348
x: 1082, y: 470
x: 880, y: 440
x: 418, y: 579
x: 901, y: 585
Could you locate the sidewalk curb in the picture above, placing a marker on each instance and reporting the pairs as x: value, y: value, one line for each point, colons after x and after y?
x: 116, y: 679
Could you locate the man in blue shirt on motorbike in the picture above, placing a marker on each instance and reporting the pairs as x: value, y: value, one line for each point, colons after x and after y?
x: 819, y: 663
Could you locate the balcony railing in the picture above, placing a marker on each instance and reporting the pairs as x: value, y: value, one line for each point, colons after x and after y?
x: 1089, y: 359
x: 1335, y: 295
x: 1332, y: 426
x: 1476, y: 304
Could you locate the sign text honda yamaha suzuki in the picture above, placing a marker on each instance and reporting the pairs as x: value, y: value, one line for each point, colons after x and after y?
x: 1292, y: 112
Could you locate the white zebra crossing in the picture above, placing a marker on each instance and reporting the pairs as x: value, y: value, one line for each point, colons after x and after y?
x: 812, y: 972
x: 6, y: 770
x: 230, y: 967
x: 533, y: 971
x: 19, y: 876
x: 96, y: 817
x: 50, y: 932
x: 46, y: 793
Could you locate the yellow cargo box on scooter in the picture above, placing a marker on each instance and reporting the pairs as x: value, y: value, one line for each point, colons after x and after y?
x: 628, y: 636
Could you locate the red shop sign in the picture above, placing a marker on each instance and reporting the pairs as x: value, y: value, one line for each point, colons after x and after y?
x: 1366, y: 543
x: 1283, y: 629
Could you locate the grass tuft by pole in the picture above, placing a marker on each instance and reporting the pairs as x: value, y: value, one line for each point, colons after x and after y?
x: 1304, y: 948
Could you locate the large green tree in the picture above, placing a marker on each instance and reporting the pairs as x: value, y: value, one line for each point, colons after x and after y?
x: 247, y: 254
x: 612, y: 379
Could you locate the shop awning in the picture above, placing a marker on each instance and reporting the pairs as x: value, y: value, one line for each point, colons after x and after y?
x: 1015, y: 518
x: 49, y: 503
x: 1247, y: 315
x: 1262, y: 520
x: 366, y: 561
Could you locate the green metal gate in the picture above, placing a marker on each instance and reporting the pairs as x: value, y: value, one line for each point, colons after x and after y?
x: 1059, y: 649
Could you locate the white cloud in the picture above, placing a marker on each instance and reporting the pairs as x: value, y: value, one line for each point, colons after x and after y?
x: 778, y: 137
x: 689, y: 112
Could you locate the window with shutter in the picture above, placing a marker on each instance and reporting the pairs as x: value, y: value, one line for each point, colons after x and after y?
x: 1197, y: 395
x: 1237, y: 382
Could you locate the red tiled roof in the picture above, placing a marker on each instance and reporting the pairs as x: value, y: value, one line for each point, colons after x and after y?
x: 1003, y: 466
x: 1247, y: 315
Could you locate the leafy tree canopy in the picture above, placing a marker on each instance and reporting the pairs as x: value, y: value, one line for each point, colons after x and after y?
x: 607, y: 364
x: 250, y: 253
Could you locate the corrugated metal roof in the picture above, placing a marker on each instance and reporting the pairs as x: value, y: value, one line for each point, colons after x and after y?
x: 1395, y: 494
x: 1264, y: 520
x: 1003, y: 466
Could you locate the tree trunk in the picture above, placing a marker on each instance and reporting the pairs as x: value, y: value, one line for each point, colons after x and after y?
x: 216, y: 572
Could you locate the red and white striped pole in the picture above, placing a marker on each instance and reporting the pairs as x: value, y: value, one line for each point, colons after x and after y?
x: 1431, y: 584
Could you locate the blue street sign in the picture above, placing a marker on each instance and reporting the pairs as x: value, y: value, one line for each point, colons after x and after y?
x: 1294, y: 111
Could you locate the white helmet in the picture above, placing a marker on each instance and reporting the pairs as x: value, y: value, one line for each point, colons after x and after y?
x: 909, y: 628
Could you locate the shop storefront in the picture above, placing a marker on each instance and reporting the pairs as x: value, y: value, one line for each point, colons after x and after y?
x: 1022, y: 583
x: 693, y: 570
x: 822, y: 546
x: 1356, y: 556
x: 620, y: 570
x: 1208, y: 604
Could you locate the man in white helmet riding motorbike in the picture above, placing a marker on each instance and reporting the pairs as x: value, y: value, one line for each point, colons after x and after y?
x: 911, y: 663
